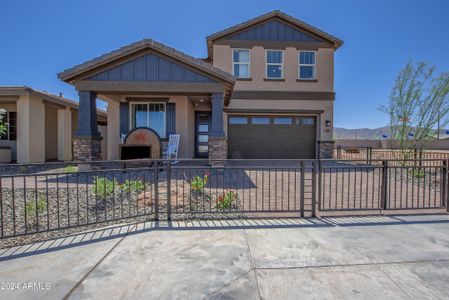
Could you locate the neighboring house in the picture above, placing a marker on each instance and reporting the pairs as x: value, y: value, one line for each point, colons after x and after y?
x: 40, y: 125
x: 266, y: 90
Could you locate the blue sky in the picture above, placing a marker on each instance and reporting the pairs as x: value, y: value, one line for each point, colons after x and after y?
x: 41, y: 38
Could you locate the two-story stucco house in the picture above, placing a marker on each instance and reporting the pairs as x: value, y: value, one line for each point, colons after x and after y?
x: 266, y: 90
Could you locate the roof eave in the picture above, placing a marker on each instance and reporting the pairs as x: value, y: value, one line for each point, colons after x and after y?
x: 276, y: 13
x: 71, y: 74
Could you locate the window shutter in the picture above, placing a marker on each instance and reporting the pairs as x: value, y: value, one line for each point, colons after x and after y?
x: 170, y: 119
x: 124, y: 118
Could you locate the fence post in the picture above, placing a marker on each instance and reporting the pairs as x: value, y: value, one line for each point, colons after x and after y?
x: 384, y: 188
x: 168, y: 190
x: 370, y: 157
x: 1, y: 206
x: 445, y: 198
x: 420, y: 157
x: 156, y: 191
x: 301, y: 188
x: 339, y: 152
x: 314, y: 193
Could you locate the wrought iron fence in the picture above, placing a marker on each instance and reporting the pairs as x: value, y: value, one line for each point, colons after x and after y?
x: 397, y: 156
x: 42, y: 198
x: 383, y: 185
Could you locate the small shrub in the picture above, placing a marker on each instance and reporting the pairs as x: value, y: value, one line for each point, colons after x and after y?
x: 198, y: 183
x: 104, y: 187
x: 133, y: 186
x: 417, y: 173
x: 227, y: 200
x: 71, y: 169
x: 31, y: 206
x: 23, y: 170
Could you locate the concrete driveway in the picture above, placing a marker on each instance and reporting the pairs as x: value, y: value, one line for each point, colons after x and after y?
x: 335, y: 258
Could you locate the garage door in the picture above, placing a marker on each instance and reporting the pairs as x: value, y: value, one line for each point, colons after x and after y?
x: 269, y: 137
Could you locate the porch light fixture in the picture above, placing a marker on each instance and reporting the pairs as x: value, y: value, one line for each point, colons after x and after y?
x: 328, y: 123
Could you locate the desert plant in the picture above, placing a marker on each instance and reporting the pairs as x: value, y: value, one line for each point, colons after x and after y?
x: 417, y: 173
x: 133, y: 186
x: 71, y: 169
x: 2, y: 122
x: 40, y: 205
x: 198, y: 183
x: 227, y: 200
x: 418, y: 104
x: 104, y: 187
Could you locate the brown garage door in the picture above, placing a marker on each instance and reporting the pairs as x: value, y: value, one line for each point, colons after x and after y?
x: 271, y: 137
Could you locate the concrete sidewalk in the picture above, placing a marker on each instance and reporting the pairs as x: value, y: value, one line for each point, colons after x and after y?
x: 335, y: 258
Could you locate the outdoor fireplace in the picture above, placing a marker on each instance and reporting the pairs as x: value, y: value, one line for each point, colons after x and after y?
x: 141, y: 143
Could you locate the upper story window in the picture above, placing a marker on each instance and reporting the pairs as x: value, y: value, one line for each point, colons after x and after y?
x: 150, y: 115
x: 10, y: 118
x: 307, y: 67
x: 274, y: 64
x: 240, y: 63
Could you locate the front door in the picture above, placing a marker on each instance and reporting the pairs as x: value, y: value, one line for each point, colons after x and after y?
x: 202, y: 126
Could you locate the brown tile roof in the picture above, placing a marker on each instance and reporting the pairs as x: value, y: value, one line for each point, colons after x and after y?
x: 69, y: 74
x: 21, y: 90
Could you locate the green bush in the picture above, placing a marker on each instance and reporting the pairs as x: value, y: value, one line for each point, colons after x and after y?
x: 227, y: 200
x: 133, y: 186
x: 31, y: 206
x: 198, y: 183
x: 417, y: 173
x: 104, y: 187
x: 71, y: 169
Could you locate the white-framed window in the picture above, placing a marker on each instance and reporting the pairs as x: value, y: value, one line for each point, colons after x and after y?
x: 274, y: 59
x: 149, y: 114
x: 240, y: 63
x: 10, y: 120
x: 307, y: 65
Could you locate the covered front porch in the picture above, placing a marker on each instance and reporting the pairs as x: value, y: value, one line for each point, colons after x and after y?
x: 198, y: 119
x: 147, y: 84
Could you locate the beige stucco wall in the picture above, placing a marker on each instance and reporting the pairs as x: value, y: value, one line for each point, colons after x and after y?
x: 65, y: 134
x: 113, y: 131
x: 324, y: 83
x: 324, y: 70
x: 104, y: 142
x: 30, y: 139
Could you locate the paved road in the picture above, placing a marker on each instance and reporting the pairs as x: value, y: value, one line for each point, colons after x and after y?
x: 334, y: 258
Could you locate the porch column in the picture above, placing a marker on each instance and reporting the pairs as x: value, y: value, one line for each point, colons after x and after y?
x: 113, y: 130
x: 218, y: 146
x: 64, y: 134
x: 87, y: 139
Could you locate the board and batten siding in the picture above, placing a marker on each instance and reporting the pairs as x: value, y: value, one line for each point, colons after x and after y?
x: 273, y: 30
x: 170, y: 118
x: 150, y: 67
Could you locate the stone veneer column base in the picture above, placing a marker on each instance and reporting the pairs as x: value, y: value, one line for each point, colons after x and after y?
x: 326, y: 149
x: 218, y: 149
x: 87, y: 148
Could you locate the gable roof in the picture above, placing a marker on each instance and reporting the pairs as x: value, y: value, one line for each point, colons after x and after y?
x: 21, y: 90
x: 70, y: 74
x: 270, y: 15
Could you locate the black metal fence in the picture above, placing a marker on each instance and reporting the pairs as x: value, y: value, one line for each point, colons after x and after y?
x: 397, y: 156
x: 42, y: 198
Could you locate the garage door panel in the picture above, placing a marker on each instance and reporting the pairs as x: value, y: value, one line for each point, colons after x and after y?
x: 273, y: 140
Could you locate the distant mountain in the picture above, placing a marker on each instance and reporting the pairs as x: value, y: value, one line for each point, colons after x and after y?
x: 370, y: 133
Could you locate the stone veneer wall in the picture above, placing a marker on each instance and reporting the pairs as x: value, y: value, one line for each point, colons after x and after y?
x: 218, y: 147
x: 325, y: 149
x: 87, y: 149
